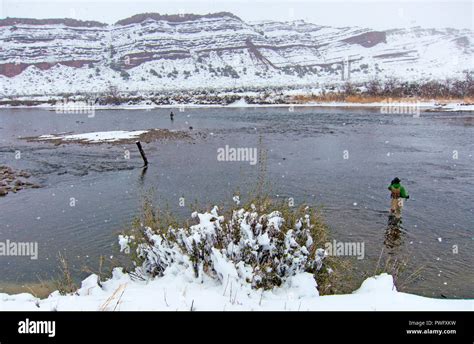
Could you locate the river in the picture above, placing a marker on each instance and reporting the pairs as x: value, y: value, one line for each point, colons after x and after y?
x: 340, y: 160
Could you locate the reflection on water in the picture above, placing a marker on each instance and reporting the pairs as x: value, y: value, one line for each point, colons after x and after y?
x: 305, y: 161
x: 142, y: 175
x: 394, y: 234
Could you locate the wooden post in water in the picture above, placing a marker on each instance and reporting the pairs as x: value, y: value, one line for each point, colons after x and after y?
x: 142, y: 153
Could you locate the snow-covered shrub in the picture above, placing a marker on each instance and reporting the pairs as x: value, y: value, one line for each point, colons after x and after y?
x: 262, y: 246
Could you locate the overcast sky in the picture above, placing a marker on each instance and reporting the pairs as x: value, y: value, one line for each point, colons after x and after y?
x: 381, y: 14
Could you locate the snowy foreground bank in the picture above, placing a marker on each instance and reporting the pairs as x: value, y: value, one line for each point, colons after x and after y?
x: 177, y: 291
x: 225, y: 264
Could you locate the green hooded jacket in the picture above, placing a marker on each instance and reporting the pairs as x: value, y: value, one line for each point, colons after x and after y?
x: 403, y: 192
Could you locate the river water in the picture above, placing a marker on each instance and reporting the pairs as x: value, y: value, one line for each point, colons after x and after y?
x: 340, y: 160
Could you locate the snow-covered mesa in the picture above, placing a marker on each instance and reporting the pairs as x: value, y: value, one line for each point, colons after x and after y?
x: 176, y: 286
x: 150, y: 52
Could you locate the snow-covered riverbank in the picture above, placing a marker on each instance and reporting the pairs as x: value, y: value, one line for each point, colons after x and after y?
x: 178, y: 291
x: 146, y: 105
x: 289, y: 98
x: 204, y: 267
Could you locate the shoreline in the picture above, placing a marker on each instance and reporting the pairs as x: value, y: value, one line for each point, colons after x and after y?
x: 422, y: 106
x: 229, y: 283
x: 177, y: 290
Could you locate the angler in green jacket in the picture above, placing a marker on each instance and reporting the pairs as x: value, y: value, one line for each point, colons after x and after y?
x: 398, y: 194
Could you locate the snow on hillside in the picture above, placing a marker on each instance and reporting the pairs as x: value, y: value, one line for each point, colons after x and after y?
x: 150, y: 53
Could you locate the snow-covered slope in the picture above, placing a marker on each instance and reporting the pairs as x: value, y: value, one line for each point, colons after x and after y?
x: 150, y: 52
x: 178, y: 291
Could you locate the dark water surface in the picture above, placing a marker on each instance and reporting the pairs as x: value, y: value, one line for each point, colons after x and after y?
x: 304, y: 161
